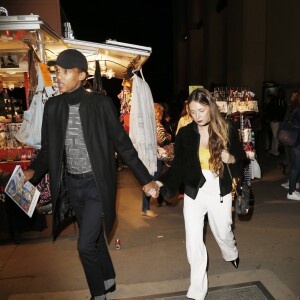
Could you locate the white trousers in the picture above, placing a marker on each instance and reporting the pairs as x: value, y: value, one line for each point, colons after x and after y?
x: 219, y: 214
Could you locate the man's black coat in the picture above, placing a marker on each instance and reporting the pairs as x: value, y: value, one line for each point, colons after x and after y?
x: 103, y: 135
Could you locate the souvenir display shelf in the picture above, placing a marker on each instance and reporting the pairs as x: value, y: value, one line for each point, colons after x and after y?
x: 11, y: 150
x: 12, y: 153
x: 239, y: 106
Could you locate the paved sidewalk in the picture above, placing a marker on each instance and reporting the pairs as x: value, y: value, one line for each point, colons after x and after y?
x: 269, y: 280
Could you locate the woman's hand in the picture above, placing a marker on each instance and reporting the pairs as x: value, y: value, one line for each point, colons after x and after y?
x: 159, y: 183
x: 151, y: 189
x: 227, y: 158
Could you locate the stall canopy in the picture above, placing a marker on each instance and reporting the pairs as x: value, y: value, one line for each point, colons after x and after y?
x: 20, y: 33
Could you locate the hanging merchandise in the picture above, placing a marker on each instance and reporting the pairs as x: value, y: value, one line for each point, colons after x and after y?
x: 142, y: 123
x: 255, y: 169
x: 125, y: 103
x: 239, y: 106
x: 30, y: 130
x: 97, y: 82
x: 235, y: 101
x: 33, y: 60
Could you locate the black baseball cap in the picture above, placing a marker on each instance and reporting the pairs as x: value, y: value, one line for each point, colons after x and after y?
x: 69, y: 59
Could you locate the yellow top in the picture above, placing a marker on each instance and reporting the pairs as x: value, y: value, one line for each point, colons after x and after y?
x: 204, y: 156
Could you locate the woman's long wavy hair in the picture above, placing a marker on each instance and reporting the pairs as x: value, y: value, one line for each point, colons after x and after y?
x: 217, y: 129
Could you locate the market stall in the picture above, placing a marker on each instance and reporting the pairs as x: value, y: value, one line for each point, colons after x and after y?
x: 24, y: 34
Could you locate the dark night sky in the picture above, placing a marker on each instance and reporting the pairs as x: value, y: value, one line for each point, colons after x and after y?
x: 145, y: 23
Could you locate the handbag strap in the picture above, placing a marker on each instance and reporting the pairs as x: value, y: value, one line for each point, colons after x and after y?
x: 229, y: 171
x: 235, y: 183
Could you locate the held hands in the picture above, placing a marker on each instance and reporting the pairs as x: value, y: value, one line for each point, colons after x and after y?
x: 158, y: 183
x: 227, y: 157
x: 151, y: 189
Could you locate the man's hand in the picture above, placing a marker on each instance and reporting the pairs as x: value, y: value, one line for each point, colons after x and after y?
x: 28, y: 174
x: 151, y: 189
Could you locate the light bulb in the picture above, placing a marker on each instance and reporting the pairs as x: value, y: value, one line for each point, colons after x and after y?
x: 110, y: 73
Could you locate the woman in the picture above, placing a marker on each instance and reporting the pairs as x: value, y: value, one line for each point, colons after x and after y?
x: 185, y: 117
x: 163, y: 138
x: 294, y: 117
x: 288, y: 152
x: 202, y: 150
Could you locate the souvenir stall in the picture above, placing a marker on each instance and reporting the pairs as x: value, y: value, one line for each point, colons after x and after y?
x: 239, y: 106
x: 26, y: 44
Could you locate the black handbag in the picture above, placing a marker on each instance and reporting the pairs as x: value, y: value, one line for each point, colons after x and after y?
x: 240, y: 194
x: 241, y: 199
x: 288, y: 134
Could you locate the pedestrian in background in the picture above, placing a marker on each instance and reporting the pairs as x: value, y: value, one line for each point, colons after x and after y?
x: 163, y: 138
x: 168, y: 122
x: 185, y: 117
x: 288, y: 152
x: 80, y: 134
x: 294, y: 176
x: 275, y: 111
x: 204, y: 150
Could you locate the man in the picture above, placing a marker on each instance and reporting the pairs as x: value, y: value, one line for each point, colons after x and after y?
x: 80, y: 134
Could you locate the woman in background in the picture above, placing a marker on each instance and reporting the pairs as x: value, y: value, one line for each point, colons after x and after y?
x: 288, y: 153
x: 294, y: 117
x: 185, y: 117
x: 163, y: 139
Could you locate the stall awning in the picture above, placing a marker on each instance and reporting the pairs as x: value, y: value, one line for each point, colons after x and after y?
x: 115, y: 56
x: 19, y: 33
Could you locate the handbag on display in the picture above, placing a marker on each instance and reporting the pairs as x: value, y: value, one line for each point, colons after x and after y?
x: 240, y: 194
x: 30, y: 129
x: 255, y: 169
x: 288, y: 134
